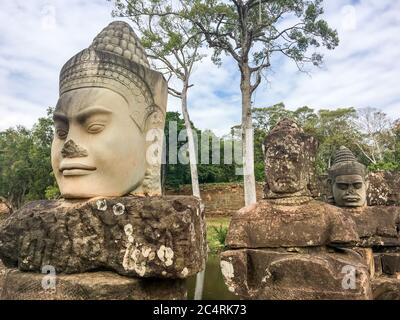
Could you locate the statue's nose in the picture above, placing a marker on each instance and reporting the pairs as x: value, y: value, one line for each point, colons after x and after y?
x: 351, y: 189
x: 72, y: 150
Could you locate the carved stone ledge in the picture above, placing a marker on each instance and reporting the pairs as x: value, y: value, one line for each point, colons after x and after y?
x: 161, y: 237
x: 269, y: 274
x: 90, y: 286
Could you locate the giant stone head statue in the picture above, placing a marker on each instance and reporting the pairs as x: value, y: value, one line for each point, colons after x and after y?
x: 289, y: 161
x: 348, y: 180
x: 110, y: 104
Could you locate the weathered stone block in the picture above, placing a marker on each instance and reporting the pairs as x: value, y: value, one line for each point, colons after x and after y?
x: 2, y: 275
x: 385, y: 288
x: 133, y: 236
x: 377, y: 264
x: 90, y: 286
x: 266, y: 274
x: 368, y: 257
x: 384, y: 188
x: 313, y: 223
x: 390, y: 263
x: 376, y: 226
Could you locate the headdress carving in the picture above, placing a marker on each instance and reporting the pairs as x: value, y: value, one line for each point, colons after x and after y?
x: 115, y: 60
x: 345, y: 163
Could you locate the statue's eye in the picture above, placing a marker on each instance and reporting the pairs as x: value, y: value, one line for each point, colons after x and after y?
x: 61, y: 133
x: 95, y: 128
x: 357, y: 185
x: 342, y: 186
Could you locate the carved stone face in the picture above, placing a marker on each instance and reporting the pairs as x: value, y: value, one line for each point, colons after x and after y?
x: 284, y: 168
x: 97, y: 150
x: 350, y: 191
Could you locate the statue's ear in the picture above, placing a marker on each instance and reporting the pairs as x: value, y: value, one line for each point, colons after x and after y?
x: 154, y: 136
x: 155, y: 119
x: 367, y: 183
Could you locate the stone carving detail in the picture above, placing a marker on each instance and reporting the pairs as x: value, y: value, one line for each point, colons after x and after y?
x: 348, y: 179
x: 72, y: 150
x: 91, y: 286
x: 377, y: 226
x: 112, y: 73
x: 289, y: 158
x: 133, y: 236
x: 119, y: 38
x: 288, y: 245
x: 112, y: 236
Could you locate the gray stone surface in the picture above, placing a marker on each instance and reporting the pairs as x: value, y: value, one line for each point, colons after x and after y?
x: 377, y: 226
x: 156, y: 236
x: 90, y: 286
x: 290, y: 246
x: 384, y: 188
x: 2, y: 275
x: 268, y: 224
x: 308, y: 274
x: 385, y: 288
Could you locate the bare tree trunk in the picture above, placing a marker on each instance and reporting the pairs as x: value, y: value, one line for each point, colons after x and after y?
x: 249, y: 181
x: 198, y: 292
x: 192, y: 150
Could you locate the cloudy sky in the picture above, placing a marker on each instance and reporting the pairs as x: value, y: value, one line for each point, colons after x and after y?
x: 37, y: 37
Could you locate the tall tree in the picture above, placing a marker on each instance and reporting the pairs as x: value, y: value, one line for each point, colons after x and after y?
x: 173, y: 45
x: 377, y: 133
x: 333, y: 129
x: 251, y: 32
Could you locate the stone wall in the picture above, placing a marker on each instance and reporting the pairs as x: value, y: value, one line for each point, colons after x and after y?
x: 223, y: 199
x: 220, y: 199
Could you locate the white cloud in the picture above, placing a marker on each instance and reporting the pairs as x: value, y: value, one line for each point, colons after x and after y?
x: 38, y: 37
x: 364, y: 69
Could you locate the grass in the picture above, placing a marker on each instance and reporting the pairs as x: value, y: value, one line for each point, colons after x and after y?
x: 216, y: 232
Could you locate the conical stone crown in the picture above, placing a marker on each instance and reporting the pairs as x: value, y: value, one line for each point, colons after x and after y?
x: 120, y: 39
x: 344, y: 154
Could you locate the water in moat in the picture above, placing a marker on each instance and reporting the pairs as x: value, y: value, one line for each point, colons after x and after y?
x: 214, y: 286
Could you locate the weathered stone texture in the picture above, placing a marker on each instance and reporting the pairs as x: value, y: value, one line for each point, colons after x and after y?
x: 384, y: 188
x: 308, y: 274
x: 90, y: 286
x: 2, y: 275
x: 224, y: 199
x: 134, y: 236
x: 376, y: 226
x: 220, y: 199
x: 385, y: 288
x: 267, y: 225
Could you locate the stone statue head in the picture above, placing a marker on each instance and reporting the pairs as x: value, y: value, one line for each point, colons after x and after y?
x: 348, y: 179
x: 110, y: 106
x: 289, y: 161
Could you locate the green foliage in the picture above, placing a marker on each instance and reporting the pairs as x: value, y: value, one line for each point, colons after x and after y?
x: 332, y: 128
x: 255, y: 26
x: 220, y: 233
x: 176, y: 175
x: 26, y: 173
x: 25, y: 166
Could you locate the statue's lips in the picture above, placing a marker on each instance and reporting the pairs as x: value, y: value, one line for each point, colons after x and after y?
x: 351, y: 199
x: 76, y: 169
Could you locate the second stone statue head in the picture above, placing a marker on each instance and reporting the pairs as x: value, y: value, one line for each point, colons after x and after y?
x: 289, y: 161
x: 109, y: 102
x: 348, y: 179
